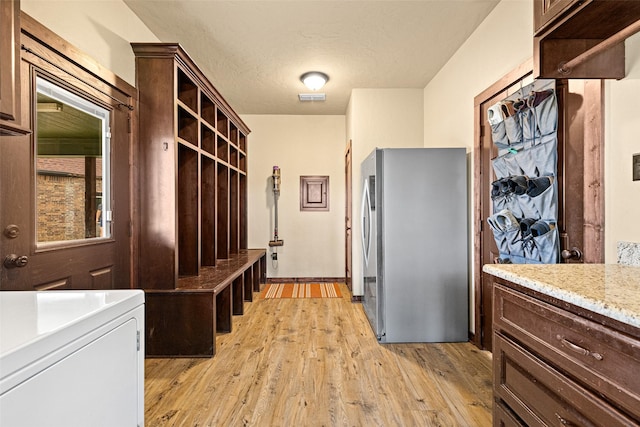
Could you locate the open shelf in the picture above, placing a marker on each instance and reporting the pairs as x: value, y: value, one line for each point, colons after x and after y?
x: 208, y: 110
x: 222, y: 150
x: 244, y: 212
x: 222, y: 123
x: 187, y: 211
x: 193, y: 215
x: 243, y: 143
x: 223, y: 211
x: 233, y: 156
x: 242, y: 162
x: 207, y: 139
x: 208, y: 211
x: 233, y: 134
x: 187, y: 91
x: 234, y: 214
x: 187, y: 127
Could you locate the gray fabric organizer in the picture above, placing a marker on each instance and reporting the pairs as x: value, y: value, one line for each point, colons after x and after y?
x: 525, y: 194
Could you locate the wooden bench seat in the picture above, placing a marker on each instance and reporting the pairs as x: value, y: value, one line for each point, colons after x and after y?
x: 183, y: 322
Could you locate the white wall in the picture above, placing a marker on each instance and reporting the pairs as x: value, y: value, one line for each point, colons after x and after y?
x: 622, y: 140
x: 299, y: 145
x: 103, y: 29
x: 501, y: 43
x: 378, y: 118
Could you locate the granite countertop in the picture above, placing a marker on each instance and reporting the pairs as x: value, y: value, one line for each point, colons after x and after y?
x: 612, y: 290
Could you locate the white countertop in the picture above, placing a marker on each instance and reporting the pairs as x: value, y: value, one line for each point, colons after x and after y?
x: 611, y: 290
x: 36, y: 323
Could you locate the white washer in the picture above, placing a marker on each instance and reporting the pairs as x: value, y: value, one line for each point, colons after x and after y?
x: 72, y: 358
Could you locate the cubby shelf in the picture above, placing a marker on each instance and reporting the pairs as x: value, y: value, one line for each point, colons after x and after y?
x: 187, y: 222
x: 193, y: 186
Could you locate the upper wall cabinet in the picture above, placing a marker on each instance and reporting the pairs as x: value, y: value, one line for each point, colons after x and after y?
x: 9, y: 68
x: 565, y: 29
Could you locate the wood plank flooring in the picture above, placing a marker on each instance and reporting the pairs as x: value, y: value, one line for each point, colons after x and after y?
x: 316, y: 362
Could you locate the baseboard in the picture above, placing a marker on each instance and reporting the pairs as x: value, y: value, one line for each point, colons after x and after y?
x: 472, y: 339
x: 305, y: 280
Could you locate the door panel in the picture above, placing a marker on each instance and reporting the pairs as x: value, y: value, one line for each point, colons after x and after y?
x: 580, y: 172
x: 572, y: 155
x: 87, y: 261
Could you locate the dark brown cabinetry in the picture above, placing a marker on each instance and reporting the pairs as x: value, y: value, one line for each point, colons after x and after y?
x: 193, y: 204
x: 555, y: 365
x: 10, y: 68
x: 545, y: 11
x: 192, y: 169
x: 565, y: 29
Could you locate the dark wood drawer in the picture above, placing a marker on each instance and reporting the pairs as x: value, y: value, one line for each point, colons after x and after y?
x: 597, y: 357
x: 541, y: 396
x: 503, y: 417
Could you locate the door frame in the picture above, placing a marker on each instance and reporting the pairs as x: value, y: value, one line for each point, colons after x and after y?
x: 593, y: 210
x: 348, y: 232
x: 523, y: 71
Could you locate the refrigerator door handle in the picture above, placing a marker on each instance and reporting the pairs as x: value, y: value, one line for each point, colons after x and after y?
x: 366, y: 222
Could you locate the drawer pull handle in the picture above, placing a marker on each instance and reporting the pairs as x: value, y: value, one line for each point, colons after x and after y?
x: 580, y: 350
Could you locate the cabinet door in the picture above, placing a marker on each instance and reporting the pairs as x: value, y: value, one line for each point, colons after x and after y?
x: 544, y: 11
x: 9, y: 55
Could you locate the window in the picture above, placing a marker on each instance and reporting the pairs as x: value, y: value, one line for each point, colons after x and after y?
x: 72, y: 171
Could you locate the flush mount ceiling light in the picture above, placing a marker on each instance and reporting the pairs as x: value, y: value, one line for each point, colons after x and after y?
x: 314, y: 80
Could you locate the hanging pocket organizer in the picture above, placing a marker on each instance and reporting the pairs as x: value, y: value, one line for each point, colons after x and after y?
x: 525, y: 195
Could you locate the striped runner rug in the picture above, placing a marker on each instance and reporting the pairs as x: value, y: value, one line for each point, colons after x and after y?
x: 302, y: 290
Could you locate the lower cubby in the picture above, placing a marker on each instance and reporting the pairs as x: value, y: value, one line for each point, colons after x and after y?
x: 183, y: 322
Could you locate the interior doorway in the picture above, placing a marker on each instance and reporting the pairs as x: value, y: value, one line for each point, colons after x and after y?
x: 580, y: 173
x: 347, y: 218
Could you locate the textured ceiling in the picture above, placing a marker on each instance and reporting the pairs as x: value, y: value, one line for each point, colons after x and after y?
x: 255, y: 51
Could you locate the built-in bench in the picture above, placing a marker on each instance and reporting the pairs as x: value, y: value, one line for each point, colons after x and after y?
x: 183, y: 322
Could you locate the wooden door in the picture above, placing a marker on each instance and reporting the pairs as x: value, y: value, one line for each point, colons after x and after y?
x: 581, y: 161
x: 580, y: 172
x: 347, y: 218
x: 61, y: 227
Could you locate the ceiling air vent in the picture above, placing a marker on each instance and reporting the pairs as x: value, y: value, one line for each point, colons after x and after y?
x: 312, y: 96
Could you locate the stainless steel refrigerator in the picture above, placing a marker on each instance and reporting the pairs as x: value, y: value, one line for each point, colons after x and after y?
x: 415, y: 244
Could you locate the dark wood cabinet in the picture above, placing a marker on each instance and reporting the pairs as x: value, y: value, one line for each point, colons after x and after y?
x: 193, y: 149
x: 554, y: 365
x: 565, y: 29
x: 195, y: 266
x: 10, y: 68
x: 545, y: 11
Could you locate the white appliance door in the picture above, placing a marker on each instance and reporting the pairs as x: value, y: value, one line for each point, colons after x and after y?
x: 371, y: 299
x: 366, y: 222
x: 97, y: 385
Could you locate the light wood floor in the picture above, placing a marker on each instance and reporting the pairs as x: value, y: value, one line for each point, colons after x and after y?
x: 316, y: 362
